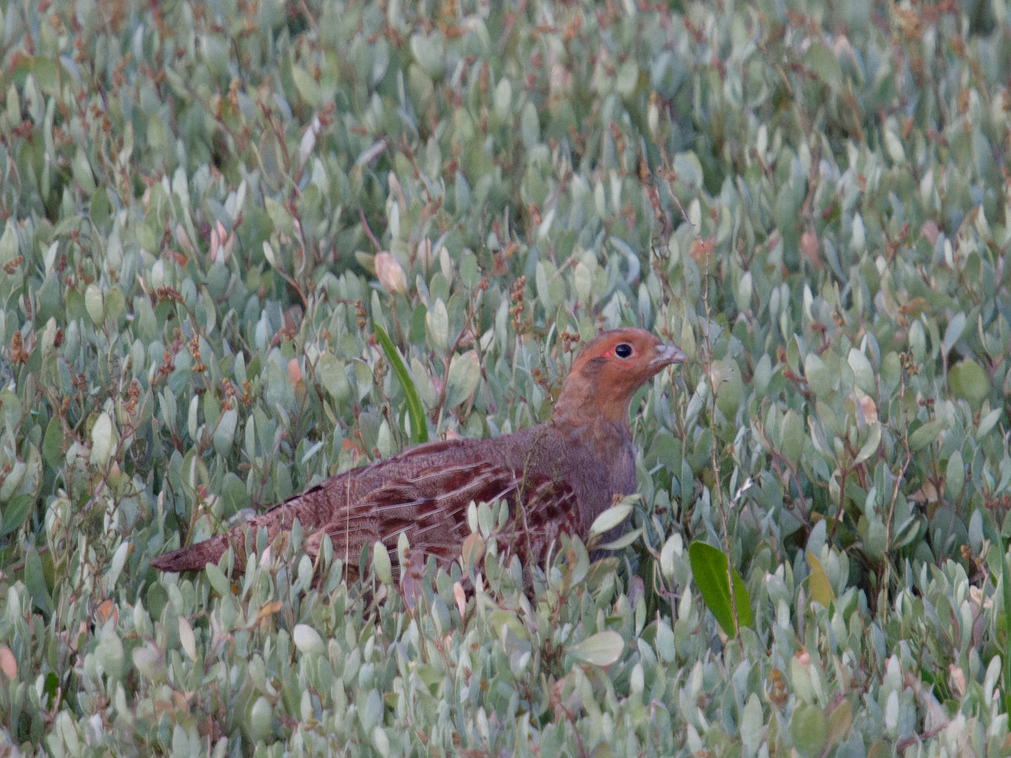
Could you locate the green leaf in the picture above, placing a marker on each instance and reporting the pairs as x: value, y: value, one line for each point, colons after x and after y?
x: 894, y: 147
x: 335, y: 381
x: 1006, y: 582
x: 15, y: 513
x: 419, y: 429
x: 35, y: 581
x: 969, y: 381
x: 925, y: 434
x: 49, y: 688
x: 809, y: 729
x: 82, y: 172
x: 665, y: 644
x: 234, y: 495
x: 148, y: 661
x: 94, y: 301
x: 308, y: 88
x: 217, y: 579
x: 954, y: 477
x: 818, y: 583
x: 429, y: 52
x: 823, y: 62
x: 818, y: 376
x: 116, y: 566
x: 839, y: 722
x: 115, y: 302
x: 52, y: 443
x: 954, y: 332
x: 102, y: 439
x: 988, y: 422
x: 751, y: 725
x: 614, y: 516
x: 437, y: 324
x: 728, y: 386
x: 109, y: 652
x: 874, y: 539
x: 1003, y: 621
x: 601, y: 649
x: 281, y: 217
x: 381, y: 563
x: 622, y: 542
x: 463, y: 379
x: 307, y: 640
x: 268, y: 253
x: 224, y: 432
x: 381, y: 741
x: 793, y: 436
x: 870, y: 445
x: 187, y: 640
x: 261, y: 719
x: 709, y: 567
x: 12, y: 481
x: 13, y: 113
x: 863, y: 372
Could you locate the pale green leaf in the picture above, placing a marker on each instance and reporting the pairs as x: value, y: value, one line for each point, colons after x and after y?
x: 600, y: 649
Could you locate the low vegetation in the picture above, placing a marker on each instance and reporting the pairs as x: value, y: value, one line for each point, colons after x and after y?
x: 249, y: 244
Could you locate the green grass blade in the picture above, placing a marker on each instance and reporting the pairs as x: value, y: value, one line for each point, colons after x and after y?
x: 419, y: 429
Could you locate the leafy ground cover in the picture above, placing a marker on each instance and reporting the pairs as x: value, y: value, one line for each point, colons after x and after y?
x: 247, y: 245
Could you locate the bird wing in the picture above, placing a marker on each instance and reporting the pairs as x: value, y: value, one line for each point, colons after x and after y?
x: 431, y: 506
x: 424, y: 493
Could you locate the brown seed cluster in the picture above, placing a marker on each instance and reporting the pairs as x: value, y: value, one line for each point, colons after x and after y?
x: 568, y: 339
x: 360, y: 315
x: 198, y: 365
x: 132, y: 398
x: 909, y: 364
x: 18, y: 352
x: 516, y: 304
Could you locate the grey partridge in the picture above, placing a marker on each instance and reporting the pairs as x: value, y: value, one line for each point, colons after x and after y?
x: 556, y: 477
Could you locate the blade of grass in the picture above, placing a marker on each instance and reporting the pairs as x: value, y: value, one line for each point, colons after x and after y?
x: 419, y: 429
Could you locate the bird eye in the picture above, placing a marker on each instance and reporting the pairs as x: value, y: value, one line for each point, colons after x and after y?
x: 624, y: 350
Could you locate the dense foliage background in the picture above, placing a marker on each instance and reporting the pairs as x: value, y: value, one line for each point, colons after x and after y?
x: 811, y: 199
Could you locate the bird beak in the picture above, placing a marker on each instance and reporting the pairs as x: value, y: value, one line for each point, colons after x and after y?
x: 666, y: 355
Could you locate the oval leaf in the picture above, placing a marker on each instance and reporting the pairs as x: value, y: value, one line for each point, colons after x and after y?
x: 224, y: 432
x: 437, y: 323
x: 381, y: 563
x: 261, y: 718
x: 94, y: 303
x: 925, y: 434
x: 464, y: 376
x: 600, y: 649
x: 821, y: 588
x: 333, y: 378
x: 622, y: 542
x: 615, y: 515
x: 709, y: 567
x: 307, y: 640
x: 217, y: 579
x: 187, y: 639
x: 969, y: 381
x: 101, y: 439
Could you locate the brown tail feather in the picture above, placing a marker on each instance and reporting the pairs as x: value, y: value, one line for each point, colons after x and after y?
x: 310, y: 508
x: 193, y: 557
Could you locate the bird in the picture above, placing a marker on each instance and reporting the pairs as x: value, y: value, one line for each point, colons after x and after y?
x: 556, y: 477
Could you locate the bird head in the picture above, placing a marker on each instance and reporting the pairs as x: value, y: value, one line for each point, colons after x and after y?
x: 608, y: 371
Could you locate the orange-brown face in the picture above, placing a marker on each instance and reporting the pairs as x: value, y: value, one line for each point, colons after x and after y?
x: 611, y: 367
